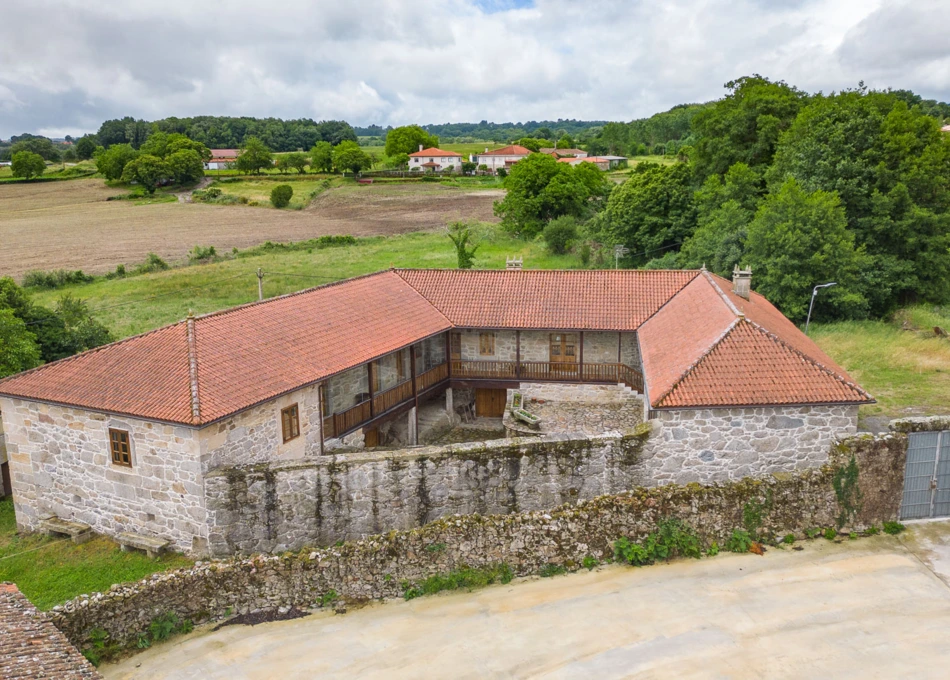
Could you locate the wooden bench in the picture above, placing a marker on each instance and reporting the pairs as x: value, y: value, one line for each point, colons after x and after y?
x: 79, y: 532
x: 152, y: 546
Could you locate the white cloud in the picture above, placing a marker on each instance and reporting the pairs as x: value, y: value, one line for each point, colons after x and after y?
x: 393, y: 62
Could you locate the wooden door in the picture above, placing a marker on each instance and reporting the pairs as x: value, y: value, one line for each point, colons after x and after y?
x: 563, y: 353
x: 371, y: 438
x: 490, y: 403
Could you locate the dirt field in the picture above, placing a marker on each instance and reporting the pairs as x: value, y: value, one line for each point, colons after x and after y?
x: 70, y: 225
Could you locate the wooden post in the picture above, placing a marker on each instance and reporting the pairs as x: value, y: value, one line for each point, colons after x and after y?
x: 415, y: 388
x: 619, y: 349
x: 369, y: 376
x: 448, y: 352
x: 518, y: 355
x: 580, y: 372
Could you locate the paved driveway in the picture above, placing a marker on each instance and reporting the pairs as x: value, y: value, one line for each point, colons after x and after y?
x: 870, y: 608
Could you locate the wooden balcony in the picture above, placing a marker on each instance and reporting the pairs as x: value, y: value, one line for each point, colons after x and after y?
x: 433, y: 376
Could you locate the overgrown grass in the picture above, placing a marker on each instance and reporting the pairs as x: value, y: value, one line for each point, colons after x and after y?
x: 137, y: 304
x: 51, y: 571
x: 907, y: 371
x: 468, y: 578
x: 257, y: 191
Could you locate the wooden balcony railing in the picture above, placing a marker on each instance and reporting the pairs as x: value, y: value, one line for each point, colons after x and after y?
x: 550, y: 370
x: 347, y: 420
x: 631, y: 377
x: 504, y: 370
x: 392, y: 397
x: 434, y: 375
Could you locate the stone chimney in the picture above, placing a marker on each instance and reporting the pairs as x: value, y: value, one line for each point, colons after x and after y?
x: 742, y: 281
x: 515, y: 263
x: 420, y: 147
x: 486, y: 149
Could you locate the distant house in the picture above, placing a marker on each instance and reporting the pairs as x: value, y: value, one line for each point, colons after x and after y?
x: 565, y: 153
x: 434, y: 160
x: 602, y: 162
x: 945, y: 128
x: 221, y: 159
x: 504, y: 157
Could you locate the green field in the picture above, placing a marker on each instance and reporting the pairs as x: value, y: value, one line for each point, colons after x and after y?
x: 306, y: 188
x: 51, y: 571
x: 55, y: 171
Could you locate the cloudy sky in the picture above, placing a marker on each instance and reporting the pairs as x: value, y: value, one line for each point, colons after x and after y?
x: 66, y: 65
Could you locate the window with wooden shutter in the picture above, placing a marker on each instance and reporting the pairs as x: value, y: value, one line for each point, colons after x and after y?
x: 121, y: 449
x: 486, y: 344
x: 290, y: 423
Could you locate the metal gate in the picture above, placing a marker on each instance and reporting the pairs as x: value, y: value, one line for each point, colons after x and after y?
x: 927, y: 476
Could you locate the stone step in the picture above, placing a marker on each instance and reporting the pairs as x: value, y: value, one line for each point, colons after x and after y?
x: 79, y: 532
x: 151, y: 545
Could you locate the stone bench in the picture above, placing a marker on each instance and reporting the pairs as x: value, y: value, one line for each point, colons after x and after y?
x: 55, y: 526
x: 152, y: 546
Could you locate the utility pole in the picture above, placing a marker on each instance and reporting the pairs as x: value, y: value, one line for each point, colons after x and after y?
x: 260, y: 283
x: 811, y: 304
x: 619, y: 251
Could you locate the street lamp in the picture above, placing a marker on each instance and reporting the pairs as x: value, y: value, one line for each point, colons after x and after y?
x: 814, y: 292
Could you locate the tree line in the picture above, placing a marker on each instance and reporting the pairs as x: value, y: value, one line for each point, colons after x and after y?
x: 851, y: 187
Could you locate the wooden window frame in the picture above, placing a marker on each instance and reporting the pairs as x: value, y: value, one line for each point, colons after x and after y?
x: 455, y: 345
x: 483, y: 337
x: 293, y: 413
x: 400, y: 367
x: 116, y: 437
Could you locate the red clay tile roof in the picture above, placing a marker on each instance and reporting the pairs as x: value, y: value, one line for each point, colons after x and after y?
x: 433, y: 151
x: 512, y: 150
x: 701, y: 344
x: 710, y: 347
x: 582, y: 300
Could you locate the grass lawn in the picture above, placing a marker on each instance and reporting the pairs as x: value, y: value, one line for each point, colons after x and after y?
x: 306, y: 188
x: 907, y: 371
x: 54, y: 571
x: 137, y: 304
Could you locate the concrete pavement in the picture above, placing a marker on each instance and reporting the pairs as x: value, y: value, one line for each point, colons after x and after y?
x: 871, y: 608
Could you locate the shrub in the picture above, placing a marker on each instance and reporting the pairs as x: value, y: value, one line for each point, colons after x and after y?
x: 713, y: 549
x: 789, y: 539
x: 739, y: 542
x: 502, y: 173
x: 893, y: 528
x: 465, y: 577
x: 202, y: 253
x: 589, y: 562
x: 871, y: 531
x: 672, y: 538
x: 830, y: 534
x: 550, y: 569
x: 585, y: 254
x: 153, y: 263
x: 57, y: 278
x: 560, y: 233
x: 280, y: 195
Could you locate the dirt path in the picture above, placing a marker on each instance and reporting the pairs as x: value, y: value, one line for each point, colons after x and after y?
x: 853, y: 609
x: 70, y: 225
x: 185, y: 196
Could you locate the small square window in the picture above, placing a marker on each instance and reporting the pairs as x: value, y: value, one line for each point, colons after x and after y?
x: 486, y: 344
x: 120, y: 447
x: 290, y: 423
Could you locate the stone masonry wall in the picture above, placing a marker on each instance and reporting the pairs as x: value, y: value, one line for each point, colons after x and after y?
x: 256, y: 436
x: 277, y: 507
x: 377, y: 566
x: 505, y: 346
x: 60, y: 463
x: 715, y: 445
x: 576, y: 408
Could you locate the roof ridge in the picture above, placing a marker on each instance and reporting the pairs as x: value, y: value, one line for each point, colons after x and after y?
x: 718, y: 341
x: 722, y: 294
x: 696, y: 273
x: 222, y: 312
x: 84, y: 353
x: 775, y: 338
x: 559, y: 271
x: 193, y: 370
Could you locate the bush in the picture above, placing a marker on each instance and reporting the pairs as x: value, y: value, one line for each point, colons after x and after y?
x: 502, y: 173
x: 153, y: 263
x: 202, y: 253
x: 585, y: 254
x: 280, y: 195
x: 893, y: 528
x: 672, y: 538
x: 52, y: 280
x: 560, y: 233
x: 739, y: 542
x: 789, y: 539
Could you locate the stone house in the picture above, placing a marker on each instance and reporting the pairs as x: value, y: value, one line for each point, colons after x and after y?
x: 124, y: 437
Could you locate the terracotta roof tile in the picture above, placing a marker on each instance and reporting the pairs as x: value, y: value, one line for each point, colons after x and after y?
x: 511, y: 150
x: 582, y: 300
x: 433, y: 151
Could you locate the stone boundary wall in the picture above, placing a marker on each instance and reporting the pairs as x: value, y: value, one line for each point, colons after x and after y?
x: 374, y: 567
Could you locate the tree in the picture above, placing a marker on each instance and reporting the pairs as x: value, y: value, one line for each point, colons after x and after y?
x: 560, y: 233
x: 653, y: 211
x: 280, y: 195
x: 86, y: 147
x: 460, y: 234
x: 407, y: 139
x: 321, y: 157
x: 530, y: 143
x: 565, y: 142
x: 799, y: 239
x: 185, y: 166
x: 468, y: 167
x: 293, y: 161
x: 111, y: 162
x: 163, y: 145
x: 544, y: 133
x: 27, y: 165
x: 540, y: 189
x: 254, y: 157
x: 148, y: 171
x: 400, y: 160
x: 18, y: 348
x: 745, y: 125
x: 38, y: 145
x: 890, y: 166
x: 69, y: 155
x: 349, y: 156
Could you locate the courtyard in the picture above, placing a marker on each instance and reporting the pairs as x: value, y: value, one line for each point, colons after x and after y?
x: 872, y: 607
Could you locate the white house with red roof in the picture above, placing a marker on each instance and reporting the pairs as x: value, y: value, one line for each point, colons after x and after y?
x: 123, y: 438
x: 222, y: 159
x: 502, y: 158
x: 435, y: 160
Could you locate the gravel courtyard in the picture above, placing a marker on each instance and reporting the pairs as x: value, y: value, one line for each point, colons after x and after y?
x: 871, y: 608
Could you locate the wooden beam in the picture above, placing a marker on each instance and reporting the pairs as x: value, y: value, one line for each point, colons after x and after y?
x: 518, y: 354
x: 580, y: 371
x: 415, y: 388
x: 369, y: 378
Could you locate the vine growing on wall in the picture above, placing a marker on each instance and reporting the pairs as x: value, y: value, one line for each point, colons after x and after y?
x: 847, y: 491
